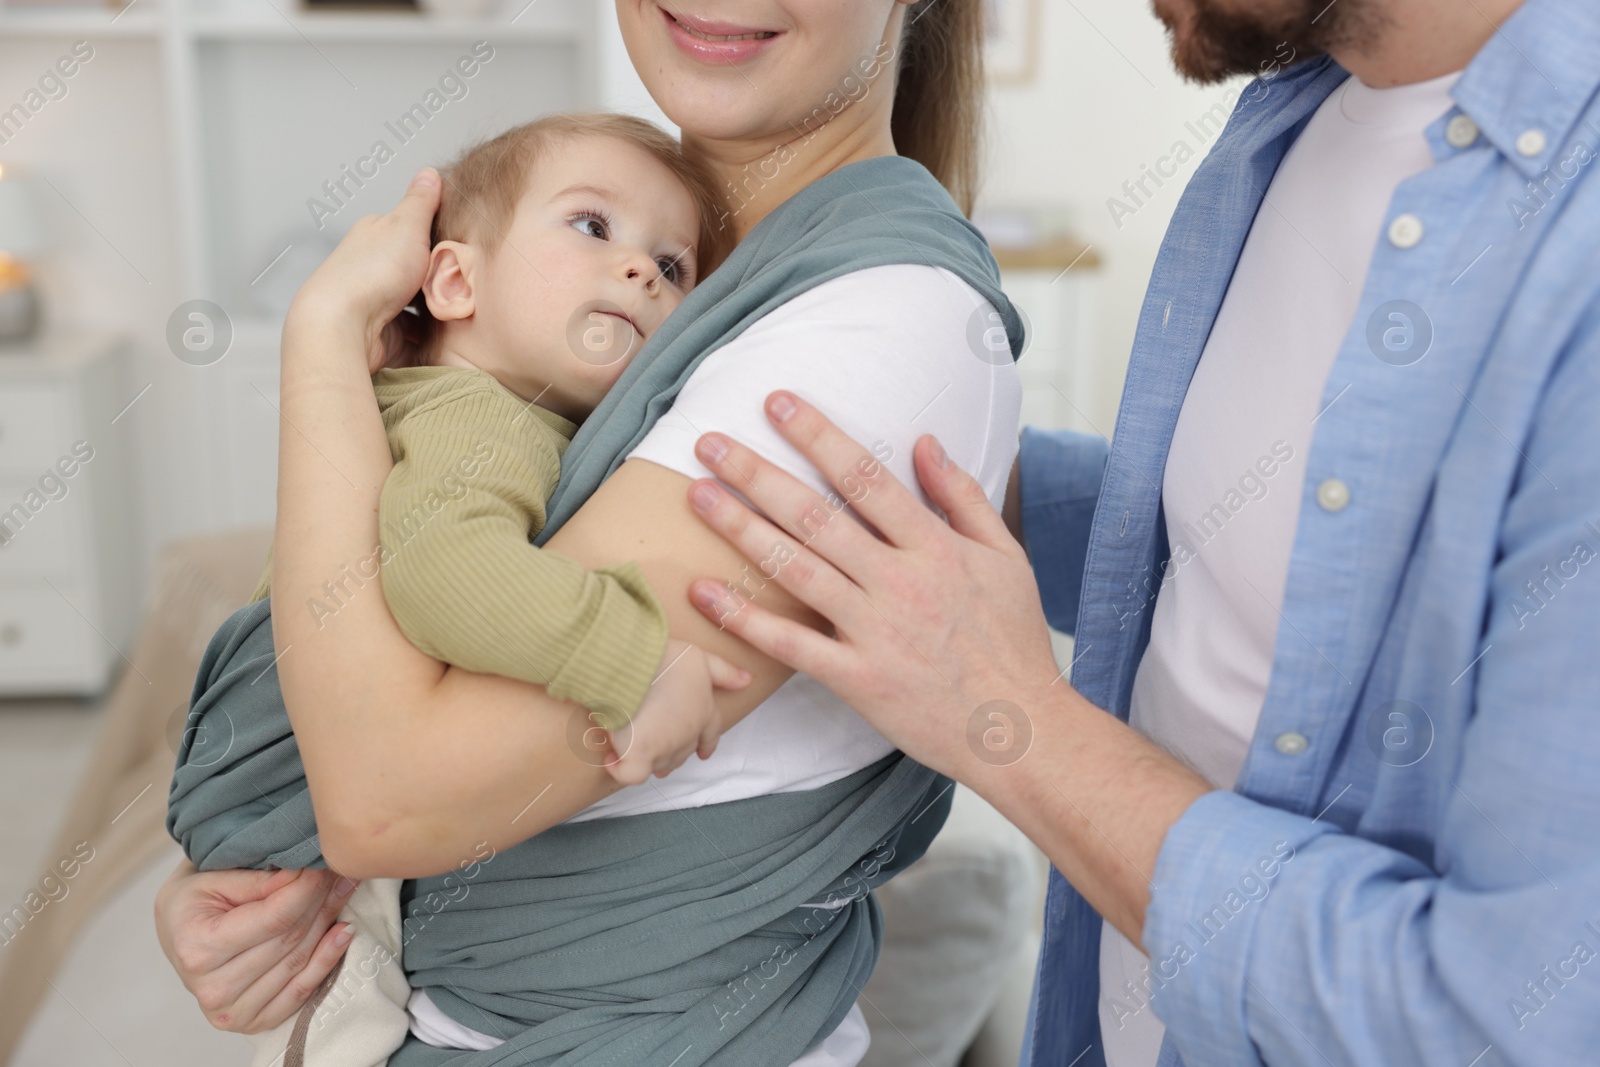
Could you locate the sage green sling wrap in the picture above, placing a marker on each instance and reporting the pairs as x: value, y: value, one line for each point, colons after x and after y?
x: 728, y: 935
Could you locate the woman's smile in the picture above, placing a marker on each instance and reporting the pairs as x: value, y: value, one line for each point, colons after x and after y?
x: 714, y: 41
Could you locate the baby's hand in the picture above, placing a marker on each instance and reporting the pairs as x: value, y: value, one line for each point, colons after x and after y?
x: 677, y: 717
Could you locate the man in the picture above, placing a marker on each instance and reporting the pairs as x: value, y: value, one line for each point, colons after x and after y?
x: 1340, y: 564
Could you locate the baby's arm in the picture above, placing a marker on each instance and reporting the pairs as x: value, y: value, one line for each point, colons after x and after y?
x: 472, y: 473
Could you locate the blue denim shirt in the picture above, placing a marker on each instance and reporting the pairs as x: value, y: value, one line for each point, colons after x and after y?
x: 1408, y: 870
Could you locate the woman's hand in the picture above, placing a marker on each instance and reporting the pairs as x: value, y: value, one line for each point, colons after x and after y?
x: 252, y: 946
x: 375, y: 271
x: 939, y: 637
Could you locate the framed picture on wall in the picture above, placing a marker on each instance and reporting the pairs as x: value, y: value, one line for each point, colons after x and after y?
x: 1011, y: 29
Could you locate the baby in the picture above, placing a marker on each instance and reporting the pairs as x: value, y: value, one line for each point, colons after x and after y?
x: 559, y: 247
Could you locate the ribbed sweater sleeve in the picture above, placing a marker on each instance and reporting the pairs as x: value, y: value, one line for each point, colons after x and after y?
x: 473, y: 470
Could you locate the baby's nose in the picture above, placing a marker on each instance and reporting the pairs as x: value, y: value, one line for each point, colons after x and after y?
x: 651, y: 278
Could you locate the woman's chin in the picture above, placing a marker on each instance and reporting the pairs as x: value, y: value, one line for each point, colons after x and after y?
x: 724, y: 114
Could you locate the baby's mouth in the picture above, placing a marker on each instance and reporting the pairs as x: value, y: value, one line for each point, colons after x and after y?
x: 623, y: 317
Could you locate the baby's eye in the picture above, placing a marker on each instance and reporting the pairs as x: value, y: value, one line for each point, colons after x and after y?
x: 590, y: 225
x: 670, y: 270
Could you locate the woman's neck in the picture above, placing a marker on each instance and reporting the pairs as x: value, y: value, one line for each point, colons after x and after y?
x: 755, y: 177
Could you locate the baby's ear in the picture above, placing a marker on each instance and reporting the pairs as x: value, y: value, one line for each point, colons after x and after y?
x: 448, y: 285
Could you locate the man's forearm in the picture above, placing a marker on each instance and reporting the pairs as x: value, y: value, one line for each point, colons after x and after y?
x: 1097, y: 797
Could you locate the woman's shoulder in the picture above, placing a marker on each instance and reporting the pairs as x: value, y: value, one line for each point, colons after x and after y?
x: 869, y: 342
x: 905, y: 307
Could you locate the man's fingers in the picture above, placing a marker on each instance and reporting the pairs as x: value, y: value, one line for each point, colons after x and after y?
x: 786, y: 641
x: 859, y: 475
x: 960, y: 497
x: 811, y: 578
x: 798, y: 515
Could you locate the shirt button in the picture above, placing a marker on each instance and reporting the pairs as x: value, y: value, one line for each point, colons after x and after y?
x: 1461, y: 132
x: 1291, y: 744
x: 1405, y: 231
x: 1532, y: 142
x: 1333, y: 495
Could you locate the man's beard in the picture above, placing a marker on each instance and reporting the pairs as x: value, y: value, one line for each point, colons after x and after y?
x: 1212, y: 41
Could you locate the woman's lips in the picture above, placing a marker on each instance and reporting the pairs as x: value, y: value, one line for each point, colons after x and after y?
x: 716, y: 42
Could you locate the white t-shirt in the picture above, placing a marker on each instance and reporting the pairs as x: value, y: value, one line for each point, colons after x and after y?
x: 1236, y: 468
x: 885, y: 353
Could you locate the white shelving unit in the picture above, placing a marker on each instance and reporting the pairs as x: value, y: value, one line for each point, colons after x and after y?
x: 67, y: 580
x: 258, y: 104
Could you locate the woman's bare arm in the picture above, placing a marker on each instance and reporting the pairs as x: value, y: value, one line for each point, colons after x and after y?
x: 412, y: 764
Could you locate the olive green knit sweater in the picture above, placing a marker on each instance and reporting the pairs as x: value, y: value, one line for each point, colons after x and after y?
x: 474, y: 466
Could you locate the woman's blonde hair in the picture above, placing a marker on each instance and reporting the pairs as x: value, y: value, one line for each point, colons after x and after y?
x: 939, y: 94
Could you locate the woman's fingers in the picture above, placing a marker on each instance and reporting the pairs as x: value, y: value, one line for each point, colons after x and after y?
x: 280, y: 935
x: 304, y: 907
x: 377, y: 267
x: 859, y: 476
x: 422, y: 197
x: 325, y: 956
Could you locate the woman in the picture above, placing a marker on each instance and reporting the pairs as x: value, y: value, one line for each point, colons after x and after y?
x: 787, y: 94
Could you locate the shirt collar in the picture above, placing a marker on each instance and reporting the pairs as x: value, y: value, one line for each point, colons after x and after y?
x: 1528, y: 87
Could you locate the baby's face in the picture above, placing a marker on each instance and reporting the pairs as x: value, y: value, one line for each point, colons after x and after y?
x: 599, y: 253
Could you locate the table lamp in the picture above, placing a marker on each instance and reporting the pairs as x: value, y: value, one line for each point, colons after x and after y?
x: 21, y: 236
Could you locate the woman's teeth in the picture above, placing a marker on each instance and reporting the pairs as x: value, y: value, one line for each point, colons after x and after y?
x: 759, y: 35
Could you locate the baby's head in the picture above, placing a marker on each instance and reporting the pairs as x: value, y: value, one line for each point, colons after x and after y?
x: 559, y: 248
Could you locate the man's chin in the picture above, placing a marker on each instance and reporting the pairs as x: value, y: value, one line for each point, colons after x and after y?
x: 1211, y: 42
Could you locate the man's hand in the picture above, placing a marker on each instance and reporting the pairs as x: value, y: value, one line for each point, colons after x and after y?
x: 940, y: 642
x: 932, y: 621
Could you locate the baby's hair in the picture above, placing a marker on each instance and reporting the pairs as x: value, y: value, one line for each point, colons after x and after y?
x: 483, y: 184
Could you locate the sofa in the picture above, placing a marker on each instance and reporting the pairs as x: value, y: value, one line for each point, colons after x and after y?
x: 961, y: 924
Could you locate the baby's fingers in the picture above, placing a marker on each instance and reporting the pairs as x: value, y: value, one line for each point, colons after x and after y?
x: 671, y: 761
x: 708, y: 739
x: 725, y: 675
x: 631, y: 768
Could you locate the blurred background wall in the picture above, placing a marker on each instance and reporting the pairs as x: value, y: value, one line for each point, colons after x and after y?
x: 172, y: 170
x: 176, y: 164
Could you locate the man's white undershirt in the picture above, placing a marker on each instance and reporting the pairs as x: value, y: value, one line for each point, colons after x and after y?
x: 885, y: 353
x: 1236, y: 468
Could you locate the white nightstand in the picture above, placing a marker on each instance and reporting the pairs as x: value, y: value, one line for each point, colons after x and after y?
x: 69, y: 587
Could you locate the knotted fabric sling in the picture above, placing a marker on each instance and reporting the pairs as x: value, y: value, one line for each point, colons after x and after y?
x: 729, y: 935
